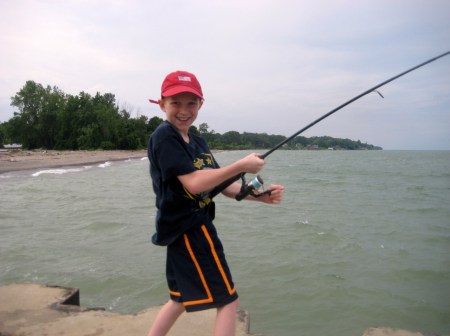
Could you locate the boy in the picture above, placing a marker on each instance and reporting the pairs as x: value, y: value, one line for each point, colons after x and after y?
x: 183, y: 170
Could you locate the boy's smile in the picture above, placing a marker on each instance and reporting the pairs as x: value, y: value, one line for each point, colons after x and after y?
x: 181, y: 110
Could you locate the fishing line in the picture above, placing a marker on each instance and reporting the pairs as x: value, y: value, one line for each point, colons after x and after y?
x: 246, y: 189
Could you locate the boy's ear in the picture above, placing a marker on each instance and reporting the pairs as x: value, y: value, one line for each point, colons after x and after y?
x: 161, y: 105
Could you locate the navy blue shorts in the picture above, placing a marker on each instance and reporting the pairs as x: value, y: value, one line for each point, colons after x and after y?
x: 197, y: 272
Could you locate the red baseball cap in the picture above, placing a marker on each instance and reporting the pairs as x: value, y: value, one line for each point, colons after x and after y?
x: 180, y: 81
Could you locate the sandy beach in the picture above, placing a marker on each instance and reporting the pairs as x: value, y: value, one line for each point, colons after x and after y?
x: 36, y: 159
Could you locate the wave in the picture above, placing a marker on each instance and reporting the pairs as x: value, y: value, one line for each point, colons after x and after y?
x: 104, y: 165
x: 61, y: 171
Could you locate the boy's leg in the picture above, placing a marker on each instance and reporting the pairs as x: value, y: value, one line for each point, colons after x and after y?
x: 226, y: 319
x: 166, y: 318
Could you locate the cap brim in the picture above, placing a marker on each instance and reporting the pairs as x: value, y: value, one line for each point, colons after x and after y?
x: 180, y: 89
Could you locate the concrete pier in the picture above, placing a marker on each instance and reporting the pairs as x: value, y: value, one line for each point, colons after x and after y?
x: 32, y: 309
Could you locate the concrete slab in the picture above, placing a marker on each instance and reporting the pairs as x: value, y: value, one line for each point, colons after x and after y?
x: 32, y: 309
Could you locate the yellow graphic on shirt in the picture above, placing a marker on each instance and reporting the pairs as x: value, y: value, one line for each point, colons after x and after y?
x: 199, y: 163
x: 209, y: 160
x: 205, y: 162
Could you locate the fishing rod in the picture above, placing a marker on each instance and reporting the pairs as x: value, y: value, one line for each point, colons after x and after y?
x: 256, y: 183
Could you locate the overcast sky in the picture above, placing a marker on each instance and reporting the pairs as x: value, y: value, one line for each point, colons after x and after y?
x: 266, y: 66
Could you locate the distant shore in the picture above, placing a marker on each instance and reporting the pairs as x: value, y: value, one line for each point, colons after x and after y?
x: 36, y: 159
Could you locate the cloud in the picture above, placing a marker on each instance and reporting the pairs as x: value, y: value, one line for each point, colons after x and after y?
x: 265, y: 66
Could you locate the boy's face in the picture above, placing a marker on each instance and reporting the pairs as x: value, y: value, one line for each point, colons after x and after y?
x: 181, y: 110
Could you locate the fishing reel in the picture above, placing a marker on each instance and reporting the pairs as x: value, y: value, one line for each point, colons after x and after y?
x: 250, y: 188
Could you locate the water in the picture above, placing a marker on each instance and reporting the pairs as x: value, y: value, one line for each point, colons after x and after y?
x: 362, y: 239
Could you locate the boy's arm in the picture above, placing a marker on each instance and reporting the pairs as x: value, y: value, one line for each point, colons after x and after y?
x: 206, y: 179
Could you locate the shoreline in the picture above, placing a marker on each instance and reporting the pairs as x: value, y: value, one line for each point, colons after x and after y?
x: 11, y: 161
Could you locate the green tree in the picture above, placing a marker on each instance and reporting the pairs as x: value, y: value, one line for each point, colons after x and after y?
x: 3, y: 133
x: 193, y: 129
x: 36, y: 122
x: 74, y: 120
x: 49, y: 121
x: 12, y: 129
x: 203, y: 129
x: 49, y: 118
x: 30, y: 102
x: 153, y: 123
x: 231, y: 138
x: 107, y: 118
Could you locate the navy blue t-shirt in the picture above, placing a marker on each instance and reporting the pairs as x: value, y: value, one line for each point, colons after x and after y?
x: 170, y: 156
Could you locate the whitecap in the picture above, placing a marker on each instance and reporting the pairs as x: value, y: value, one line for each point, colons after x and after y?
x: 57, y: 171
x: 104, y: 165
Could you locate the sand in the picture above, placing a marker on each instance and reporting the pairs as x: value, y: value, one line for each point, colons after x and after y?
x: 37, y: 159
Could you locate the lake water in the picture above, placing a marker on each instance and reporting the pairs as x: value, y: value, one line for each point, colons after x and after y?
x: 362, y: 239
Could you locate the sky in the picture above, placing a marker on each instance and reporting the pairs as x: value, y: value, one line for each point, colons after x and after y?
x: 266, y: 66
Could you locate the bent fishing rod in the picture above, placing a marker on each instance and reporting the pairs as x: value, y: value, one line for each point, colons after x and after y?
x: 256, y: 183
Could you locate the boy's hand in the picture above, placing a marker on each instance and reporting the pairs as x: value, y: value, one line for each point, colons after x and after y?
x: 275, y: 196
x: 252, y: 163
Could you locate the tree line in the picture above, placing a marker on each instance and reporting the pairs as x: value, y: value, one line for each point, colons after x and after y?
x: 46, y: 117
